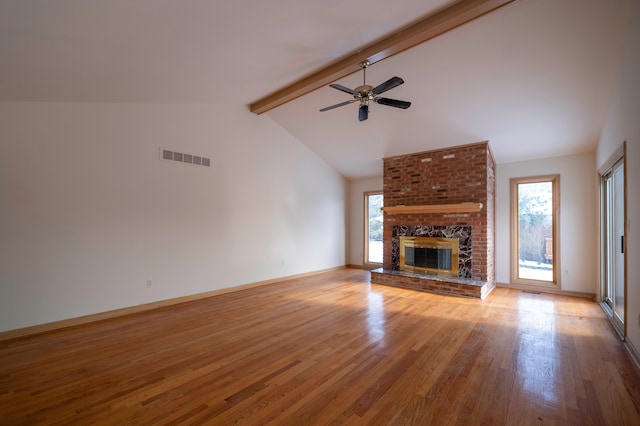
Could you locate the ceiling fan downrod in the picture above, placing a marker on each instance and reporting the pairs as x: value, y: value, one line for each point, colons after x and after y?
x: 364, y: 65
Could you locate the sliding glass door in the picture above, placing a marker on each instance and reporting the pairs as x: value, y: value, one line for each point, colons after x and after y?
x: 613, y: 246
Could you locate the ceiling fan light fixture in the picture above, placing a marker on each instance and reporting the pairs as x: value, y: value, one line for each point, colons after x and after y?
x: 363, y: 112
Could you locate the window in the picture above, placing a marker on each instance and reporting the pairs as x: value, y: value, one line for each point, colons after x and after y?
x: 373, y: 202
x: 534, y: 231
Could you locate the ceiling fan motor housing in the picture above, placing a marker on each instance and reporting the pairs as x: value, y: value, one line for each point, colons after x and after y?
x: 364, y: 91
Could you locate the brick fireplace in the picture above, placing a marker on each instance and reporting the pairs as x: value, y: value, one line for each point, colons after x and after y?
x: 447, y: 193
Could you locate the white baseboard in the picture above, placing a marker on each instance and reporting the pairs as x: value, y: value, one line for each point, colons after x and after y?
x: 633, y: 354
x: 548, y: 290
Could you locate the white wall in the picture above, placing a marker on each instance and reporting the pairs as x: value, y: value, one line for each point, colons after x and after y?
x: 622, y: 124
x: 89, y: 213
x: 578, y: 224
x: 357, y: 188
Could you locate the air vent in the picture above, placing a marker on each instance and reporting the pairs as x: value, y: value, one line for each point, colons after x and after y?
x: 179, y: 157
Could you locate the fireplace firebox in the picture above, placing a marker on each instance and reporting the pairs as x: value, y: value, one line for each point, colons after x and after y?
x: 430, y: 255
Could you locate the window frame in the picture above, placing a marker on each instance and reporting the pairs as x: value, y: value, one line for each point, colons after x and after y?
x: 555, y: 231
x: 366, y: 261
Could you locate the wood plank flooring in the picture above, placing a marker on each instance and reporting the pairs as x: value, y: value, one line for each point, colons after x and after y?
x: 329, y: 349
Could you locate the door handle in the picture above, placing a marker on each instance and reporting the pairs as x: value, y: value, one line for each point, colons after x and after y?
x: 622, y: 244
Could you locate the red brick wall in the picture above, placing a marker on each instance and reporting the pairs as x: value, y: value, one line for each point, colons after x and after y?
x: 452, y: 175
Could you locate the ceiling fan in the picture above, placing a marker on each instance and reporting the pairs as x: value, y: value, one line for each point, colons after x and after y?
x: 365, y: 94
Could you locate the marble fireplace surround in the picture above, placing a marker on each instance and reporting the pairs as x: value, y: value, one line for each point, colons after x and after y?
x: 461, y: 232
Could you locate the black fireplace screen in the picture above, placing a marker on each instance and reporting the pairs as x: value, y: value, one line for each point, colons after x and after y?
x: 432, y: 258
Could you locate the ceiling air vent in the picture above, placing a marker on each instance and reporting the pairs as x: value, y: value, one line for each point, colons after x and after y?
x: 179, y: 157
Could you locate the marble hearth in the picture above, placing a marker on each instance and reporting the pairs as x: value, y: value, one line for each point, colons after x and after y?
x: 463, y: 287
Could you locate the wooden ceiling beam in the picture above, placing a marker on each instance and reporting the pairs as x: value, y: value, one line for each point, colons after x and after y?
x: 431, y: 26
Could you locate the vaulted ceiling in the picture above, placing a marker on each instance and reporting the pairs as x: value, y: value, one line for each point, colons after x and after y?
x: 533, y: 77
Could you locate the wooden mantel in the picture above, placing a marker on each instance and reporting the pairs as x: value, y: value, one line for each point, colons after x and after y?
x: 435, y: 208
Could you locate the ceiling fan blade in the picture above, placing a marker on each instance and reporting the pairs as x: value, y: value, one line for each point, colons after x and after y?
x: 363, y: 112
x: 387, y: 85
x: 393, y: 102
x: 343, y: 89
x: 338, y: 105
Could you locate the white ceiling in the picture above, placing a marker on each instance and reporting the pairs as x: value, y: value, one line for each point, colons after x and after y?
x: 534, y: 77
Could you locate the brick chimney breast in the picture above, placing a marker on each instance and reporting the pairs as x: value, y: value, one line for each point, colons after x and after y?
x: 462, y: 174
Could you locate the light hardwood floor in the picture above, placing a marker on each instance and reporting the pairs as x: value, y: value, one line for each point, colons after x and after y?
x: 329, y: 349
